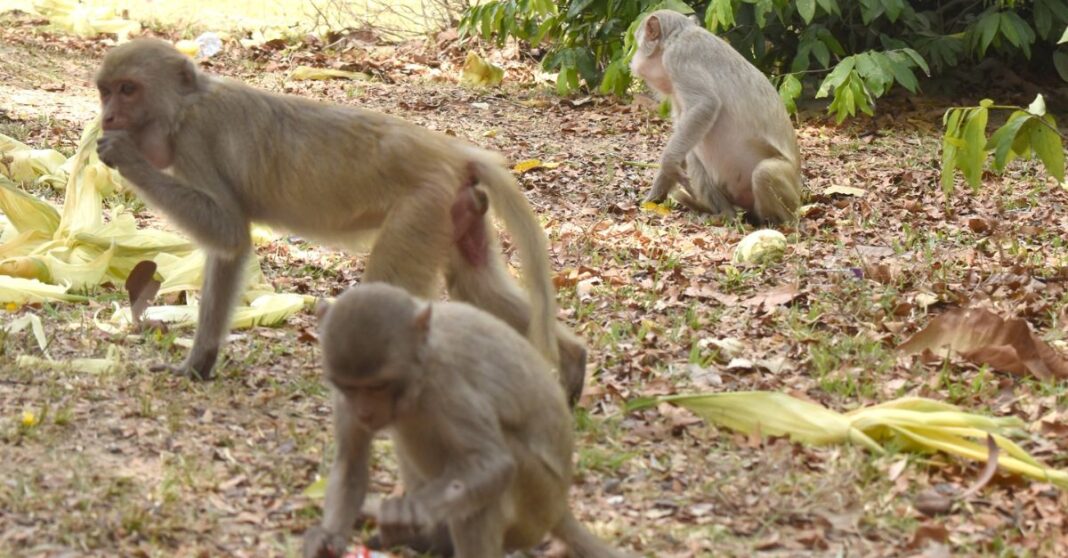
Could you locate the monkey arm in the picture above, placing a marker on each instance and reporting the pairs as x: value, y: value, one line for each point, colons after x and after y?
x: 701, y: 108
x: 215, y: 221
x: 347, y: 485
x: 211, y: 215
x: 483, y: 472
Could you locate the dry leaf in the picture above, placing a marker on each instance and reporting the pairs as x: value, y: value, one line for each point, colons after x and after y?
x: 982, y: 337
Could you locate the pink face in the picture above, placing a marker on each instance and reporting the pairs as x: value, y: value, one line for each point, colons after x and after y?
x: 372, y: 400
x: 121, y: 101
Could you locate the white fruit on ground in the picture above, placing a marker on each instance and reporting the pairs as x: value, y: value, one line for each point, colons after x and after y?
x: 763, y: 246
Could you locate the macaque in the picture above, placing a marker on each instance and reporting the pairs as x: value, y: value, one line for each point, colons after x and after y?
x: 238, y: 155
x: 733, y: 145
x: 481, y: 431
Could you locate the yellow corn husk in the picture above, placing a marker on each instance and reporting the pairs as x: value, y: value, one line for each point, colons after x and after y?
x: 22, y: 244
x: 186, y: 273
x: 780, y: 415
x: 916, y: 424
x: 111, y: 363
x: 26, y: 212
x: 479, y: 72
x: 26, y: 267
x: 20, y: 291
x: 266, y: 310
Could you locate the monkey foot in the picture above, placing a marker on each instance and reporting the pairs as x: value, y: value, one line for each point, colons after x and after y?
x: 181, y: 370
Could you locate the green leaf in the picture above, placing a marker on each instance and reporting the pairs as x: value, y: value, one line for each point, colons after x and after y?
x: 838, y: 75
x: 801, y: 59
x: 950, y: 144
x: 616, y: 78
x: 915, y: 56
x: 806, y: 9
x: 986, y: 29
x: 903, y: 75
x: 1014, y: 25
x: 830, y: 6
x: 1064, y: 37
x: 827, y: 38
x: 1002, y: 139
x: 823, y: 56
x: 870, y: 10
x: 576, y: 8
x: 1049, y: 147
x: 789, y: 91
x: 1060, y: 62
x: 1008, y: 30
x: 970, y: 159
x: 761, y: 9
x: 720, y: 15
x: 1043, y: 18
x: 893, y: 9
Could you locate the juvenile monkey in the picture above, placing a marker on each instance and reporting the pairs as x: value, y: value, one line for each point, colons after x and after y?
x: 238, y: 155
x: 481, y: 431
x: 733, y: 144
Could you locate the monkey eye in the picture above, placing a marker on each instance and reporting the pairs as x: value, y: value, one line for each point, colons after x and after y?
x: 127, y: 88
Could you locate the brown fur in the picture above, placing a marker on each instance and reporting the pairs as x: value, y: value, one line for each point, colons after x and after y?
x: 481, y: 433
x: 334, y: 173
x: 732, y: 133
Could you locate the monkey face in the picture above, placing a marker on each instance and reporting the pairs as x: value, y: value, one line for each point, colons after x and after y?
x: 121, y: 101
x: 372, y: 399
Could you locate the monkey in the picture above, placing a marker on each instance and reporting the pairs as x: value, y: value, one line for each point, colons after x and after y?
x: 733, y: 145
x: 481, y: 432
x: 215, y: 155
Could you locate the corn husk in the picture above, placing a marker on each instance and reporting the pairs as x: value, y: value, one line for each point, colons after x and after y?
x: 913, y: 423
x: 111, y: 363
x: 479, y: 72
x: 268, y: 309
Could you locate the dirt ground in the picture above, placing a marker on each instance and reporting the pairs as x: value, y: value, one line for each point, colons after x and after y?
x: 137, y: 463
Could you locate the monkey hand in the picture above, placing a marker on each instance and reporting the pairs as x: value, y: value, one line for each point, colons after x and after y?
x: 117, y: 150
x: 320, y: 543
x: 670, y: 174
x: 400, y: 519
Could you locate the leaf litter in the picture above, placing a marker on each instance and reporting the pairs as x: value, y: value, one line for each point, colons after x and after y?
x: 162, y: 465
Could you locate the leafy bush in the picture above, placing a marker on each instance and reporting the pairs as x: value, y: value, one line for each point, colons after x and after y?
x: 1030, y: 131
x: 861, y: 48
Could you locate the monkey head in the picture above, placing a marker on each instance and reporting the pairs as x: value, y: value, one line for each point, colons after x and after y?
x: 373, y: 339
x: 141, y: 85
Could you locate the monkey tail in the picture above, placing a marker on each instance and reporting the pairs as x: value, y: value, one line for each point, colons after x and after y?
x: 580, y: 542
x: 512, y: 207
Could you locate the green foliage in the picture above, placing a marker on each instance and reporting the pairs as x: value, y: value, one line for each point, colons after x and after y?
x: 852, y: 51
x: 1027, y: 132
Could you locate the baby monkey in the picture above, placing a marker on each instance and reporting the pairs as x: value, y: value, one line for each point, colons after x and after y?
x: 481, y: 430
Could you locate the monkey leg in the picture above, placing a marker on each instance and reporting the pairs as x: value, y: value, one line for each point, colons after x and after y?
x: 222, y: 280
x: 480, y: 534
x: 776, y: 191
x: 413, y: 243
x: 491, y: 288
x: 436, y: 542
x: 703, y: 194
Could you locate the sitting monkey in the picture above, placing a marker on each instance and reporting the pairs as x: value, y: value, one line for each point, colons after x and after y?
x: 733, y: 145
x: 481, y: 431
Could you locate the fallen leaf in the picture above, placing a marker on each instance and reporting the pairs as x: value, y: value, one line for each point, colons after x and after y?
x: 982, y: 337
x: 845, y: 191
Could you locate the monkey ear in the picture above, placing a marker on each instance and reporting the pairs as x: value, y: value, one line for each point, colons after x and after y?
x: 188, y: 75
x: 652, y: 28
x: 421, y: 324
